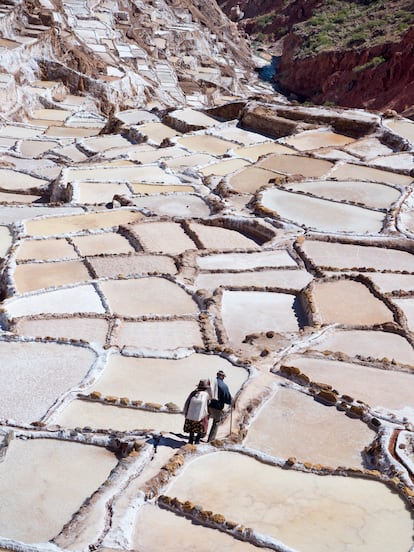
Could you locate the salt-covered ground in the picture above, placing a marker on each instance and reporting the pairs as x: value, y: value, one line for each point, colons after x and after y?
x: 143, y: 249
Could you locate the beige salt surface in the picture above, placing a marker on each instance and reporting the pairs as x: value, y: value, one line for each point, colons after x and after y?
x: 75, y: 223
x: 51, y: 114
x: 290, y: 279
x: 321, y: 214
x: 11, y: 214
x: 35, y: 374
x: 404, y: 128
x: 246, y: 261
x: 150, y: 295
x: 89, y: 329
x: 105, y: 243
x: 148, y: 154
x: 225, y: 167
x: 254, y: 152
x: 195, y: 160
x: 250, y: 179
x: 343, y: 255
x: 6, y: 240
x: 387, y: 283
x: 14, y: 180
x: 349, y: 302
x: 193, y: 117
x: 48, y: 249
x: 304, y: 511
x: 368, y: 343
x: 81, y: 413
x: 33, y: 148
x: 112, y: 267
x: 175, y: 205
x: 163, y: 380
x: 34, y: 276
x: 158, y: 335
x: 368, y: 148
x: 359, y: 172
x: 370, y: 194
x: 160, y: 188
x: 315, y: 139
x: 294, y: 424
x: 216, y: 237
x: 15, y: 131
x: 246, y: 312
x: 6, y: 197
x: 378, y: 388
x: 105, y: 142
x: 407, y: 306
x: 82, y: 298
x: 70, y: 132
x: 178, y: 534
x: 157, y: 132
x: 44, y: 482
x: 295, y: 164
x: 129, y: 172
x: 205, y: 143
x: 98, y: 192
x: 239, y: 135
x: 163, y: 237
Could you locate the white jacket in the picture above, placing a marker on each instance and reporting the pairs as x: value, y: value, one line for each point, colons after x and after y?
x: 198, y: 407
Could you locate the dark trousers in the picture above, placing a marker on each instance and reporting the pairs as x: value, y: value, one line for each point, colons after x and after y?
x: 194, y: 439
x: 216, y: 416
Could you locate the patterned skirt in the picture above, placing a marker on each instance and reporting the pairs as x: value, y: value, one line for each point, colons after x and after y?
x: 190, y: 426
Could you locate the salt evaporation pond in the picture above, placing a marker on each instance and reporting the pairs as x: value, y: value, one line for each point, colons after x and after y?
x: 321, y: 214
x: 109, y: 243
x: 204, y: 143
x: 49, y: 249
x: 163, y: 237
x: 250, y: 179
x: 97, y: 192
x: 246, y: 261
x: 39, y: 496
x: 184, y: 205
x: 158, y: 336
x: 246, y: 312
x: 5, y: 240
x: 215, y: 237
x: 89, y: 329
x: 315, y: 139
x: 407, y: 306
x: 31, y: 277
x: 293, y: 424
x: 359, y: 172
x: 130, y: 265
x: 288, y: 279
x: 305, y: 511
x: 295, y: 164
x: 254, y: 152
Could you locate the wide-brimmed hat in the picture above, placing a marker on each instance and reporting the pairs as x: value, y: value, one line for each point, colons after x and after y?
x: 221, y: 373
x: 202, y: 384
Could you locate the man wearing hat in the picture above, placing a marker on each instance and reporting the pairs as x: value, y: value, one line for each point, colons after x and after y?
x: 220, y: 396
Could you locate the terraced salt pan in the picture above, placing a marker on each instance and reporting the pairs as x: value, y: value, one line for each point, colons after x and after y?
x: 77, y: 299
x: 34, y: 375
x: 178, y: 534
x: 378, y: 388
x: 239, y: 135
x: 19, y: 213
x: 288, y: 279
x: 70, y: 132
x: 21, y: 198
x: 89, y: 221
x: 108, y: 243
x: 205, y: 143
x: 403, y: 128
x: 370, y: 194
x: 31, y: 476
x: 368, y: 343
x: 34, y: 276
x: 163, y: 237
x: 102, y: 416
x: 138, y: 297
x: 315, y: 139
x: 295, y: 164
x: 183, y: 205
x: 368, y: 148
x: 160, y: 188
x: 136, y: 116
x: 246, y: 261
x: 112, y: 267
x: 387, y: 283
x: 42, y: 250
x: 246, y: 312
x: 321, y: 214
x: 158, y: 336
x: 294, y: 424
x: 147, y: 154
x: 215, y: 237
x: 304, y: 511
x: 196, y: 160
x: 90, y: 329
x: 359, y: 172
x: 105, y: 142
x: 193, y: 117
x: 130, y: 172
x: 163, y: 380
x: 342, y: 255
x: 250, y: 179
x: 399, y: 161
x: 223, y: 168
x: 157, y: 132
x: 91, y: 193
x: 14, y: 180
x: 33, y: 148
x: 51, y: 114
x: 349, y: 302
x: 6, y: 240
x: 254, y: 152
x: 407, y: 306
x: 15, y: 131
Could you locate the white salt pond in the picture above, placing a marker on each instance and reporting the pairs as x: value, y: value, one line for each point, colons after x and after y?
x: 376, y: 387
x: 34, y: 276
x: 254, y: 152
x: 175, y: 205
x: 6, y: 240
x: 204, y: 143
x: 370, y: 194
x: 295, y: 164
x: 246, y: 312
x: 157, y: 132
x: 44, y: 482
x: 304, y: 511
x: 387, y: 283
x: 406, y: 304
x: 34, y: 374
x: 33, y: 148
x: 250, y: 179
x: 342, y: 255
x: 163, y: 380
x: 368, y: 343
x: 294, y: 424
x: 98, y: 192
x: 117, y: 173
x: 321, y: 214
x: 158, y: 336
x: 122, y: 266
x: 163, y: 237
x: 149, y: 189
x: 349, y: 302
x: 109, y: 243
x: 14, y: 180
x: 315, y: 139
x: 239, y: 135
x: 288, y: 279
x: 246, y: 261
x: 225, y: 167
x: 404, y: 128
x: 93, y: 330
x: 359, y: 172
x: 216, y: 237
x: 178, y: 534
x: 153, y: 295
x: 49, y: 249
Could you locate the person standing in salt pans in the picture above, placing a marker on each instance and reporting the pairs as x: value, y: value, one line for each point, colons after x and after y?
x: 220, y: 395
x: 196, y: 412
